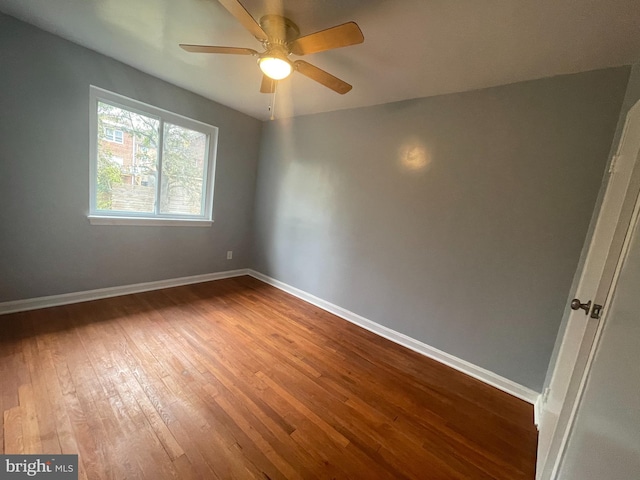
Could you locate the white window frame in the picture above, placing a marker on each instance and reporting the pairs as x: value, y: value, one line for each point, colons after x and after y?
x: 113, y: 138
x: 102, y: 217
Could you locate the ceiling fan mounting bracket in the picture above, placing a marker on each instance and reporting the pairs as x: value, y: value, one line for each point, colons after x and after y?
x: 280, y: 30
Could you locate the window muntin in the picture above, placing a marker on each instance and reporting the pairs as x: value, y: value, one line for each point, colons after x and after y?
x: 163, y: 169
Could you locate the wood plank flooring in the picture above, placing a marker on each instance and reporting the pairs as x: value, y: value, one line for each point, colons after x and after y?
x: 236, y: 379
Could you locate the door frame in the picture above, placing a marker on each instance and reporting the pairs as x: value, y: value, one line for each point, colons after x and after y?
x: 580, y: 339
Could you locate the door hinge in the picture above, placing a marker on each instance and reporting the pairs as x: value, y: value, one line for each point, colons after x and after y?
x: 612, y: 165
x: 545, y: 395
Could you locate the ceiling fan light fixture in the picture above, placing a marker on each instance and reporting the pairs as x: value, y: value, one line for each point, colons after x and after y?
x: 275, y: 67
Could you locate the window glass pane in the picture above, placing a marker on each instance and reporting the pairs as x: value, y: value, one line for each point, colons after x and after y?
x: 184, y: 157
x: 127, y: 160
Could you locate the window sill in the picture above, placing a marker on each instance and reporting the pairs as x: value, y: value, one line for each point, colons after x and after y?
x: 148, y: 222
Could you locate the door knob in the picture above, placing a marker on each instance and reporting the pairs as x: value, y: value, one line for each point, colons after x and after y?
x: 576, y: 305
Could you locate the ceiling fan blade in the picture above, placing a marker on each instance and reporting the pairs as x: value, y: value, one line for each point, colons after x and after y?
x: 236, y: 9
x: 320, y: 76
x: 268, y: 85
x: 216, y: 49
x: 334, y: 37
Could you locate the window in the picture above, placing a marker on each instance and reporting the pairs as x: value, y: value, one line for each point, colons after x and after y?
x: 113, y: 135
x: 149, y: 166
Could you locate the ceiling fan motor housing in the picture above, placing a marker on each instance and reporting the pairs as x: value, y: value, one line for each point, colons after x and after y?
x: 280, y: 29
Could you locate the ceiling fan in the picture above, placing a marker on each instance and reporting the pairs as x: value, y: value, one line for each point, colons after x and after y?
x: 280, y: 38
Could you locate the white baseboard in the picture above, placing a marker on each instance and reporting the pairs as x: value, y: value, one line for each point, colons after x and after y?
x: 76, y: 297
x: 486, y: 376
x: 470, y: 369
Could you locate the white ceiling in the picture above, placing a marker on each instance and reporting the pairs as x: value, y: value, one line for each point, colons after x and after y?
x: 412, y: 48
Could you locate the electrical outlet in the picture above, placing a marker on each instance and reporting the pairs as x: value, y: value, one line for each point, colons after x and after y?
x: 229, y: 254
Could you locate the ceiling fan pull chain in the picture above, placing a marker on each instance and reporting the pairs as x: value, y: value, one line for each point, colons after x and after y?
x: 273, y: 102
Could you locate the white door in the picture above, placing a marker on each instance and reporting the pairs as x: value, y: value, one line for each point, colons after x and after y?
x: 603, y: 255
x: 604, y: 442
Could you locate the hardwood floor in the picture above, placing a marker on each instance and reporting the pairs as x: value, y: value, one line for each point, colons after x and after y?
x: 236, y: 379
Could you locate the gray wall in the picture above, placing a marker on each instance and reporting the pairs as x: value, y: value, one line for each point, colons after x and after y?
x: 46, y: 242
x: 457, y: 220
